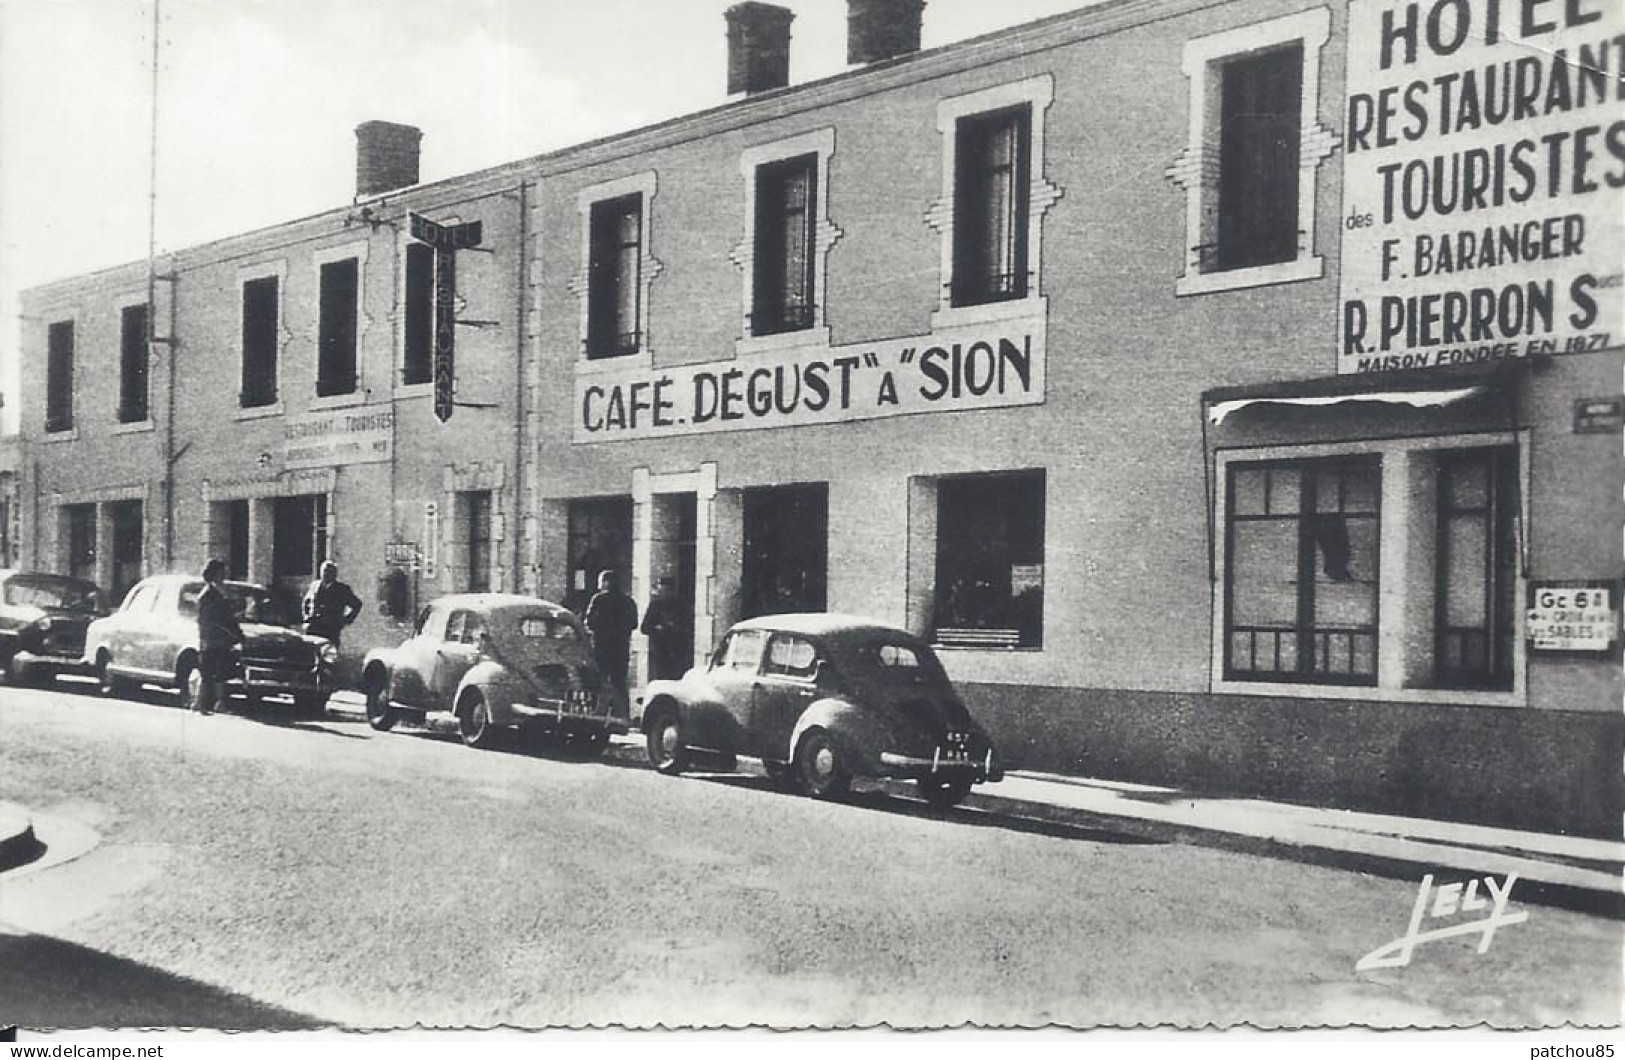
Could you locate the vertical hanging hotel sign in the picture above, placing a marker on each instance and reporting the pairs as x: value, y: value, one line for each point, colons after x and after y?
x: 446, y: 241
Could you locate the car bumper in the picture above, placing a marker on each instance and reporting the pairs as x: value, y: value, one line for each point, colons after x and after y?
x: 266, y: 679
x: 558, y: 714
x: 914, y: 767
x: 41, y: 662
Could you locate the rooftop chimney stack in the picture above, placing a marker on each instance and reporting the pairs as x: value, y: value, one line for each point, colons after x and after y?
x: 877, y: 30
x: 758, y: 47
x: 386, y: 157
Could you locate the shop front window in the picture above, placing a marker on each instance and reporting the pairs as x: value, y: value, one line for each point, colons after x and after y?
x: 990, y: 561
x: 600, y: 539
x: 1302, y: 577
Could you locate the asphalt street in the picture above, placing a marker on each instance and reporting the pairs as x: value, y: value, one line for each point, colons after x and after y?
x: 254, y: 871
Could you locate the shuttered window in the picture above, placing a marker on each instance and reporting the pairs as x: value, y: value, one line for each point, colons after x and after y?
x: 992, y: 168
x: 336, y: 360
x: 1259, y: 141
x: 260, y: 341
x: 418, y: 355
x: 59, y: 377
x: 132, y: 387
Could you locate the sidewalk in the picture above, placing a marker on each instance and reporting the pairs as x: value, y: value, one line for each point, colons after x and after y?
x: 1575, y: 872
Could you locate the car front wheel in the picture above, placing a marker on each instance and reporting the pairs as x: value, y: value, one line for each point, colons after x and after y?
x: 819, y: 766
x: 664, y: 735
x: 189, y: 685
x: 380, y: 715
x: 106, y: 682
x: 943, y: 793
x: 474, y: 721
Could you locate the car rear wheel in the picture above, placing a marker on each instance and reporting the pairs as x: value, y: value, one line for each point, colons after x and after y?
x: 108, y: 683
x: 380, y: 715
x: 819, y: 766
x: 943, y: 793
x: 474, y: 721
x: 664, y: 736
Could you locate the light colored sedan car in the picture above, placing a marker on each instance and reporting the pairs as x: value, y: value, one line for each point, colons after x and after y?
x: 152, y: 639
x: 495, y: 661
x: 824, y: 698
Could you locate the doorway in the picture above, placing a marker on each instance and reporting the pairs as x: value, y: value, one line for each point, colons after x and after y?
x: 672, y: 531
x: 786, y: 549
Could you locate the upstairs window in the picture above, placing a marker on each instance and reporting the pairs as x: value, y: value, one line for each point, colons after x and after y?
x: 1302, y: 592
x: 336, y: 333
x: 614, y: 284
x: 260, y: 316
x: 132, y: 387
x: 786, y: 226
x: 1261, y: 101
x: 417, y: 362
x: 991, y: 179
x: 59, y: 377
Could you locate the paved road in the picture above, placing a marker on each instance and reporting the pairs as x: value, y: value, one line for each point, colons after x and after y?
x: 251, y: 873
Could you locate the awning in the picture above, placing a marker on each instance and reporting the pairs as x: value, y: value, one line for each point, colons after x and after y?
x: 1417, y: 388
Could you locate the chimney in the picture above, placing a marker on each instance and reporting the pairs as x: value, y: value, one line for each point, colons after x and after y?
x: 758, y: 47
x: 386, y: 157
x: 877, y: 30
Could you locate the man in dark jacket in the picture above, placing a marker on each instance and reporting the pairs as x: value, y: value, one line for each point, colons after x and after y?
x: 664, y: 625
x: 612, y: 616
x: 217, y: 634
x: 329, y: 604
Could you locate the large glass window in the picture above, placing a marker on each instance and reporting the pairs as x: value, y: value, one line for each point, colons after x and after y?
x: 1475, y: 564
x: 336, y: 333
x: 990, y: 206
x: 990, y: 561
x: 613, y: 280
x: 132, y: 388
x: 1302, y: 578
x: 59, y: 377
x: 1261, y: 100
x: 260, y: 342
x: 298, y: 541
x: 786, y: 223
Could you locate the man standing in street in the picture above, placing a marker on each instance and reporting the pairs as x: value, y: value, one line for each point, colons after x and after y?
x: 329, y: 604
x: 667, y: 632
x: 612, y: 616
x: 217, y: 634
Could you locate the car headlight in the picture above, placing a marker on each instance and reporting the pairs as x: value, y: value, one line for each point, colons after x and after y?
x: 328, y: 653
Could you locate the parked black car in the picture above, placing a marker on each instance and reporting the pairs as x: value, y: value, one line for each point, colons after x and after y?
x: 42, y: 624
x: 826, y: 698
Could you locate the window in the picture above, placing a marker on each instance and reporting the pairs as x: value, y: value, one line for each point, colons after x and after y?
x: 1476, y: 549
x: 298, y: 537
x: 786, y: 230
x: 476, y: 505
x: 1261, y: 98
x: 336, y: 334
x: 132, y: 388
x: 1255, y: 147
x: 600, y: 539
x: 743, y: 650
x: 141, y: 599
x: 260, y: 342
x: 614, y: 285
x: 990, y: 206
x: 791, y: 656
x: 418, y: 324
x: 59, y: 377
x: 1303, y: 571
x: 990, y: 561
x: 81, y: 540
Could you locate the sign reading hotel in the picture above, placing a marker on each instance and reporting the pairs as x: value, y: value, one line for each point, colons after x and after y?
x: 1483, y: 181
x: 973, y: 367
x: 333, y: 439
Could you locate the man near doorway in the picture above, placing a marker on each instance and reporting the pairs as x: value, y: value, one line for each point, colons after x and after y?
x: 612, y: 616
x: 217, y: 634
x: 329, y: 604
x: 667, y: 632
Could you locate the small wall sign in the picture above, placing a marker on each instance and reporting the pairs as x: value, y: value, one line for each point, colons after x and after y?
x: 1573, y: 615
x: 1599, y: 415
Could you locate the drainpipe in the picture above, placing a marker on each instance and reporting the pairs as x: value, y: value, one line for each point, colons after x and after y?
x: 515, y: 532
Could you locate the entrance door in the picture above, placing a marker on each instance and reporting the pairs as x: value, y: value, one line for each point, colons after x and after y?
x: 671, y: 581
x: 786, y: 549
x: 128, y: 538
x: 298, y: 545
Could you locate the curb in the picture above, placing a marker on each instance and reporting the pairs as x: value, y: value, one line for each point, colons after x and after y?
x: 18, y: 844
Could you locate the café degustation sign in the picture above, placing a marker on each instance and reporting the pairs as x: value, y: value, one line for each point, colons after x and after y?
x: 979, y: 366
x: 1483, y: 181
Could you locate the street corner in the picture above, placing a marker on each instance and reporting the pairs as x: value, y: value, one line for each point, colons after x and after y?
x: 31, y: 841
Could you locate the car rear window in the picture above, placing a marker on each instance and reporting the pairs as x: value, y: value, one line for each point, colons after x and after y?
x: 547, y: 627
x: 50, y: 593
x: 895, y: 663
